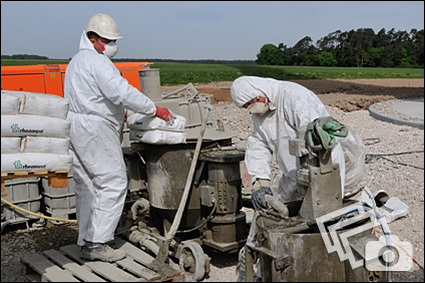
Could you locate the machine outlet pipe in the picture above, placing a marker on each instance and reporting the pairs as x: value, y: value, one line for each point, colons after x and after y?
x: 163, y: 252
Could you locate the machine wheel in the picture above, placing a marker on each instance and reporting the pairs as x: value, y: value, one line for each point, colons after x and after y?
x: 192, y: 261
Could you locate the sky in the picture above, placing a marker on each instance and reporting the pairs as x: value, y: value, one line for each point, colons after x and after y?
x: 193, y: 30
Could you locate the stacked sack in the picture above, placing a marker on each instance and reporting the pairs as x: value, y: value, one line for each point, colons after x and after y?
x: 154, y: 130
x: 34, y: 132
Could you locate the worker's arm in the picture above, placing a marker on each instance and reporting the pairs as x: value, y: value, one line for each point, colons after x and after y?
x: 119, y: 91
x: 258, y: 158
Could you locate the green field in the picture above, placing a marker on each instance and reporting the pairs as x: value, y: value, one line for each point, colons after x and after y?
x: 181, y: 73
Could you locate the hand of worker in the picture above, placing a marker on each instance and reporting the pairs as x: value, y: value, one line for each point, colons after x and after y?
x: 258, y: 200
x: 164, y: 113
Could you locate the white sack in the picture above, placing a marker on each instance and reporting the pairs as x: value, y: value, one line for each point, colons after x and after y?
x: 139, y: 121
x: 41, y: 104
x: 158, y: 137
x: 34, y: 125
x: 45, y: 144
x: 10, y: 145
x: 393, y: 209
x: 9, y: 104
x: 32, y: 162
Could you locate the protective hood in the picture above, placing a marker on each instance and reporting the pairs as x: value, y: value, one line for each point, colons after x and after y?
x: 85, y: 42
x: 296, y: 106
x: 247, y: 87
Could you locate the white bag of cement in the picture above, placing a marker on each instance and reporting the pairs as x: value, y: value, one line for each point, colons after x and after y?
x: 139, y: 121
x: 32, y: 162
x: 389, y: 208
x: 158, y: 137
x: 9, y: 104
x: 41, y: 104
x: 393, y: 209
x: 34, y: 125
x: 45, y: 144
x: 10, y: 145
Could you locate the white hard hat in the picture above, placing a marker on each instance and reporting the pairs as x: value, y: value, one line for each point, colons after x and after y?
x: 105, y: 26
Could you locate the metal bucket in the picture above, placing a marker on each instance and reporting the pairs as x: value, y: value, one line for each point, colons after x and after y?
x: 167, y: 168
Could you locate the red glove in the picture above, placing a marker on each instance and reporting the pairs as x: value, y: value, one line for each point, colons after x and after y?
x: 163, y: 113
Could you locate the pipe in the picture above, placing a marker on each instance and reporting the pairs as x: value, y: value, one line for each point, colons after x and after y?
x: 163, y: 254
x: 136, y: 236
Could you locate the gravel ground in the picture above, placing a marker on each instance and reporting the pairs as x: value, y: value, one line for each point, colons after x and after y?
x: 395, y: 170
x: 403, y: 181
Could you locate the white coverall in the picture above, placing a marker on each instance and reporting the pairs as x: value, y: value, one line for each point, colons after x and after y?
x: 98, y: 96
x: 296, y: 107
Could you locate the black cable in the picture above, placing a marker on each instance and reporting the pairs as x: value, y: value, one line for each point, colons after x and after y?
x: 404, y: 164
x: 392, y: 154
x: 370, y: 156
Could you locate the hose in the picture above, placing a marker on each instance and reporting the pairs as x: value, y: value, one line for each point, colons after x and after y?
x: 36, y: 214
x: 210, y: 216
x: 369, y: 157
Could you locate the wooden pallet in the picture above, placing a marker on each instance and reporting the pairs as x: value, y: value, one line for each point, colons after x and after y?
x: 56, y: 179
x: 66, y: 265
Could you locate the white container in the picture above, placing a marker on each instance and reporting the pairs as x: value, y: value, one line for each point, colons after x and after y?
x: 24, y: 193
x: 58, y: 198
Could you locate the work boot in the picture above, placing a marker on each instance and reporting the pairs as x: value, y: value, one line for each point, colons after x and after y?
x: 103, y: 252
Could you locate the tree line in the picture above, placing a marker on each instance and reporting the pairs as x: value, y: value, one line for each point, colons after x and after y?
x: 354, y: 48
x: 24, y: 57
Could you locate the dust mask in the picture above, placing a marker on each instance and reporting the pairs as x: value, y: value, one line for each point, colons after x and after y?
x: 111, y: 49
x: 259, y: 107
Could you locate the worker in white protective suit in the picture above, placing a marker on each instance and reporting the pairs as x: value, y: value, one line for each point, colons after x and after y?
x: 280, y: 109
x: 98, y: 96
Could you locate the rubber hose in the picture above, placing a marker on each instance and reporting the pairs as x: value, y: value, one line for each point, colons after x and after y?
x: 36, y: 214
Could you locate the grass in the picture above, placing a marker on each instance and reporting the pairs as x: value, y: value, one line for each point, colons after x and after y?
x: 182, y: 73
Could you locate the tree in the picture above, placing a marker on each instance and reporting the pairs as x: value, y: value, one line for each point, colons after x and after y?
x: 354, y: 48
x: 326, y: 59
x: 270, y: 55
x: 305, y: 52
x: 374, y: 58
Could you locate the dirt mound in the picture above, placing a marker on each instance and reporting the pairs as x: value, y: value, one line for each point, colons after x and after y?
x: 347, y: 95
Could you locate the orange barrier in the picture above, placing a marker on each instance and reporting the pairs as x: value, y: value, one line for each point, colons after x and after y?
x: 50, y: 78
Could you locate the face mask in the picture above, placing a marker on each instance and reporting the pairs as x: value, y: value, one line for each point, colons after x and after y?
x: 259, y: 107
x: 111, y: 49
